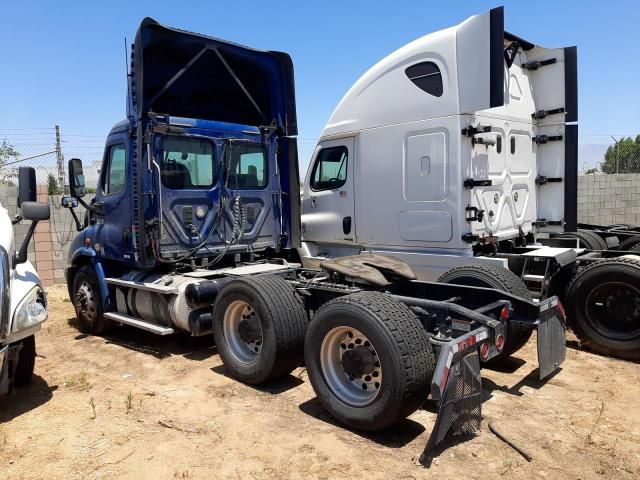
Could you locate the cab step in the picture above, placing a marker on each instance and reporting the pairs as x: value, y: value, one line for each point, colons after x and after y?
x: 151, y: 287
x: 533, y: 278
x: 141, y: 324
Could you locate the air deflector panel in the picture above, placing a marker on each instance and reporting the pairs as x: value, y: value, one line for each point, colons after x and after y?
x: 189, y: 75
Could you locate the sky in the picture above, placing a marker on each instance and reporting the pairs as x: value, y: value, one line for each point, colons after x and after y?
x: 63, y: 62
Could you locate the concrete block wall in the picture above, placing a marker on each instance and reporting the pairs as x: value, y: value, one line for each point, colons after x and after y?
x: 63, y: 230
x: 602, y: 199
x: 609, y: 199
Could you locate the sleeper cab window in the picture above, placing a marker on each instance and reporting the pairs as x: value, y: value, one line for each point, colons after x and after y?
x: 187, y: 163
x: 330, y: 169
x: 113, y: 179
x: 427, y: 77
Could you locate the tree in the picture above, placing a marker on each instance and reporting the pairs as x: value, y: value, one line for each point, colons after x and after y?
x: 623, y: 157
x: 7, y: 152
x: 52, y: 183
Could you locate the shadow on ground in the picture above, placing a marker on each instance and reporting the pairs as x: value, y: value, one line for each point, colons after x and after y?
x: 397, y: 436
x: 192, y: 348
x: 25, y: 399
x: 275, y: 387
x: 532, y: 380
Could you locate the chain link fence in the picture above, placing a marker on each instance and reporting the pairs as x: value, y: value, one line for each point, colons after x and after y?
x: 47, y: 149
x: 609, y: 154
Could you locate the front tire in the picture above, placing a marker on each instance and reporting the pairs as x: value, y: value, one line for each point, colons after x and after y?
x: 87, y: 301
x: 26, y: 362
x: 493, y: 276
x: 603, y: 307
x: 258, y: 327
x: 369, y: 360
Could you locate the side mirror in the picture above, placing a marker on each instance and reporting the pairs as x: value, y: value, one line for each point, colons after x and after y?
x: 35, y: 211
x: 69, y: 202
x: 26, y: 185
x: 76, y: 178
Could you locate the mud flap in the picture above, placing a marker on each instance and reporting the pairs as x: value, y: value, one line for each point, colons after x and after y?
x: 457, y: 386
x: 552, y: 345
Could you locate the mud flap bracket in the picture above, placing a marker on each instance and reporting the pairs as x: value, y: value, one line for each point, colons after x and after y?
x: 457, y: 387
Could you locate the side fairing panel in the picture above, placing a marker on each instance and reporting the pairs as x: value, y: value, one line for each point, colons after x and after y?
x: 407, y: 188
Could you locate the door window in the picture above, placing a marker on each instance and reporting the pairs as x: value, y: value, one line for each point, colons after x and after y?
x: 330, y: 169
x: 115, y: 175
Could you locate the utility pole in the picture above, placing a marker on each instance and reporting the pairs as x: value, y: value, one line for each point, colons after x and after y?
x: 59, y: 159
x: 617, y: 152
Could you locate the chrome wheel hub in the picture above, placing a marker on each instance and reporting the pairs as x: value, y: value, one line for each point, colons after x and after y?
x: 242, y: 331
x: 85, y: 303
x: 351, y: 366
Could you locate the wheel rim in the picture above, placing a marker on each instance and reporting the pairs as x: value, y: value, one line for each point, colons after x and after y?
x: 243, y: 332
x: 351, y: 366
x: 613, y: 310
x: 86, y: 303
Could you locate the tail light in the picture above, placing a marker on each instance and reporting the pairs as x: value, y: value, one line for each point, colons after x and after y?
x: 484, y: 350
x: 504, y: 313
x: 562, y: 312
x: 500, y: 342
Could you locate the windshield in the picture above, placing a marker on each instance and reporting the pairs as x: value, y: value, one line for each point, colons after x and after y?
x: 248, y: 167
x: 187, y: 163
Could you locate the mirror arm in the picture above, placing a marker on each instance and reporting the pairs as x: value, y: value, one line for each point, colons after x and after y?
x: 21, y: 255
x: 79, y: 227
x: 85, y: 205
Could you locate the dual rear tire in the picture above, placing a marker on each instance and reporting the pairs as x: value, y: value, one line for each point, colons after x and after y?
x: 369, y: 359
x: 603, y: 307
x: 500, y: 278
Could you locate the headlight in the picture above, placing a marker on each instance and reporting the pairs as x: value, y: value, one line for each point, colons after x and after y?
x: 31, y: 310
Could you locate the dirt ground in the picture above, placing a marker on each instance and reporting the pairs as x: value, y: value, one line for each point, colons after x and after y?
x: 133, y: 405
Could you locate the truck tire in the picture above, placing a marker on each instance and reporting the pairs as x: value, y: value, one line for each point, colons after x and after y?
x: 500, y: 278
x: 26, y: 362
x: 586, y: 239
x: 603, y: 307
x: 631, y: 244
x: 258, y: 327
x: 600, y: 242
x: 369, y: 360
x: 87, y: 302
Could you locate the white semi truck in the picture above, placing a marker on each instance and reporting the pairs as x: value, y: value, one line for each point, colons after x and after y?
x: 22, y: 299
x: 457, y: 154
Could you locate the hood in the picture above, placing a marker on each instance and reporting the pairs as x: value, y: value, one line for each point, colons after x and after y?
x: 186, y: 74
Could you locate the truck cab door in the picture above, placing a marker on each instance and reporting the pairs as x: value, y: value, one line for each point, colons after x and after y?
x: 328, y: 198
x: 113, y: 224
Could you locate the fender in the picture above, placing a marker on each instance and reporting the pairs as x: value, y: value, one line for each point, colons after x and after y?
x: 90, y: 254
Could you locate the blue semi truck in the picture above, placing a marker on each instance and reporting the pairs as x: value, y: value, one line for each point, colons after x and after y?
x: 194, y: 228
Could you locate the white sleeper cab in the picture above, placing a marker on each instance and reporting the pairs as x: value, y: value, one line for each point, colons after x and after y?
x: 457, y: 154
